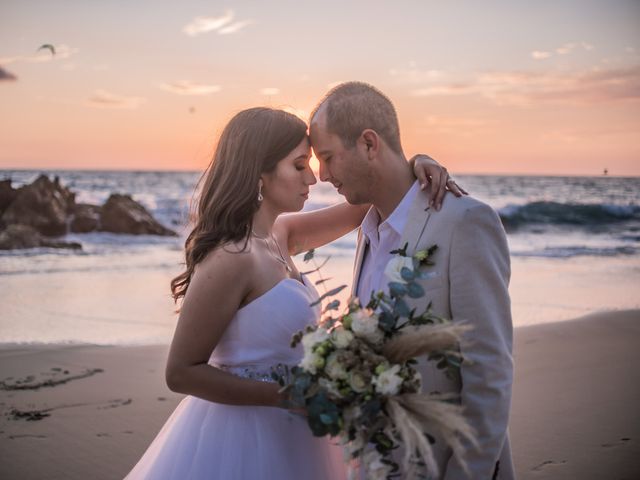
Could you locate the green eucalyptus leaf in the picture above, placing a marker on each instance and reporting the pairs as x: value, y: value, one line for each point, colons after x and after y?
x: 397, y: 289
x: 407, y: 274
x: 318, y: 268
x: 309, y: 255
x: 415, y: 290
x: 330, y: 293
x: 400, y: 308
x: 386, y: 321
x: 326, y: 418
x: 333, y: 305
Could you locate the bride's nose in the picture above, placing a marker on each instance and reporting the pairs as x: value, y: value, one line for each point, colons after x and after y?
x: 310, y: 177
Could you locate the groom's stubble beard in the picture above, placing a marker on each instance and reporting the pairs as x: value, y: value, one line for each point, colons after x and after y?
x: 359, y: 182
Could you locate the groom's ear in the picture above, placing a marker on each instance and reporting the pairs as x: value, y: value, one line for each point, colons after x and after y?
x: 371, y: 142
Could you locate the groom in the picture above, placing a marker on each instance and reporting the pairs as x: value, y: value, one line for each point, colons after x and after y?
x: 355, y: 137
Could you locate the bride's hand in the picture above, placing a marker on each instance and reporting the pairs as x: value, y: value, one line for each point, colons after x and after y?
x: 426, y: 169
x: 286, y: 403
x: 301, y: 412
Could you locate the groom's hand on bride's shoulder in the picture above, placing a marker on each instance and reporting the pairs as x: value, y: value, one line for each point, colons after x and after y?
x: 427, y: 170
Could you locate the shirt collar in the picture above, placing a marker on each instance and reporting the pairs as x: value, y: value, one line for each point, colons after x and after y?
x: 397, y: 220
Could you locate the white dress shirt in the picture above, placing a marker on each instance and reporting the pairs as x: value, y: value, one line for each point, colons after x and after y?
x: 381, y: 238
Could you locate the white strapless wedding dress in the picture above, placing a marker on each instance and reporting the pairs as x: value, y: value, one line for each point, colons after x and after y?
x: 203, y: 440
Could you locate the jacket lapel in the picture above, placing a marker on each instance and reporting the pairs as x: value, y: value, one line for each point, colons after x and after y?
x: 416, y: 224
x: 357, y: 266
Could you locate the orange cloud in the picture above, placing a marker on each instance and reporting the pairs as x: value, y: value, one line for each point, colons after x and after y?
x: 186, y: 87
x: 270, y: 91
x: 104, y: 99
x: 222, y: 25
x: 563, y: 50
x: 234, y: 27
x: 525, y: 88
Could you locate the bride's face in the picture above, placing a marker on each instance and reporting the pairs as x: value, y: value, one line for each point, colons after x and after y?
x: 287, y: 187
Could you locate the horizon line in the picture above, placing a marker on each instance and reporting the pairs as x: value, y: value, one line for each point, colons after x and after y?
x: 474, y: 174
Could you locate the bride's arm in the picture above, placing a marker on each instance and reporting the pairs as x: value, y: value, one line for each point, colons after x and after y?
x: 306, y: 230
x: 217, y: 288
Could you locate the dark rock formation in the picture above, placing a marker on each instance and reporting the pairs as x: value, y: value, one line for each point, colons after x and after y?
x: 25, y: 236
x: 7, y: 195
x: 121, y: 214
x: 86, y: 218
x: 43, y: 205
x: 47, y: 209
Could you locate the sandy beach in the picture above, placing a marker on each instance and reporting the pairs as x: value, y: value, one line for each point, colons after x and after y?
x: 79, y: 412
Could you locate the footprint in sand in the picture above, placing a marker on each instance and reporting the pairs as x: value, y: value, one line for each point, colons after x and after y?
x: 31, y: 383
x: 28, y: 415
x: 12, y: 437
x: 622, y: 441
x: 547, y: 463
x: 118, y: 402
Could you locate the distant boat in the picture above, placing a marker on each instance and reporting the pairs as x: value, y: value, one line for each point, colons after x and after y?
x: 606, y: 172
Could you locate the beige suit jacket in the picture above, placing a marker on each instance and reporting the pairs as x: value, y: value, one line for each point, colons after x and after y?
x: 468, y: 283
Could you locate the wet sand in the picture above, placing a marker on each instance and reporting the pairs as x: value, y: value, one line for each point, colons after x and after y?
x: 79, y: 412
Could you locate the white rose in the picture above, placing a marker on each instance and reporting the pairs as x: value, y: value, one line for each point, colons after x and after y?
x: 365, y: 325
x: 388, y: 382
x: 310, y: 339
x: 357, y: 382
x: 334, y: 368
x: 341, y: 337
x: 395, y: 265
x: 309, y: 361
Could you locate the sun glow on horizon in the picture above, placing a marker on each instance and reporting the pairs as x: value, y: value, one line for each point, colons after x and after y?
x: 562, y: 101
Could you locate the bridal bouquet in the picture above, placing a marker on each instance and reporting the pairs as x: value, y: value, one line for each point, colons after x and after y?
x: 358, y: 378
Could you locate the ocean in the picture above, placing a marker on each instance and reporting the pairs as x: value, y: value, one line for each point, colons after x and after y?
x: 574, y: 241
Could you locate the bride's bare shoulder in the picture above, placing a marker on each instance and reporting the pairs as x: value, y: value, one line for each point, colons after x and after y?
x: 230, y: 259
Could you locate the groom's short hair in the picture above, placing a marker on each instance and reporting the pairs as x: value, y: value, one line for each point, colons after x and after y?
x: 352, y: 107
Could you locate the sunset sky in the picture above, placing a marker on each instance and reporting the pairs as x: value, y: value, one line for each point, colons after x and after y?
x: 485, y: 87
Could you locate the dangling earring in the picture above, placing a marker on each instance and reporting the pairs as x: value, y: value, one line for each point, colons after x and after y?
x: 260, y: 197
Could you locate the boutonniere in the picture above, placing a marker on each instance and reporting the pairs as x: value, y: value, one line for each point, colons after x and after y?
x: 403, y: 268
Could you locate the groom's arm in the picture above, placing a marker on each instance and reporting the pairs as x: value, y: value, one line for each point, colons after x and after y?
x: 479, y: 279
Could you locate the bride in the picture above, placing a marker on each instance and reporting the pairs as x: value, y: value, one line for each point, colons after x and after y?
x: 242, y: 300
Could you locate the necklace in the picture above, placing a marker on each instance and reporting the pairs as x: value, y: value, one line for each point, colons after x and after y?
x: 278, y: 256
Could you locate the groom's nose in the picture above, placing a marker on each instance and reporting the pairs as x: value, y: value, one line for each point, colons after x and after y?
x: 323, y: 171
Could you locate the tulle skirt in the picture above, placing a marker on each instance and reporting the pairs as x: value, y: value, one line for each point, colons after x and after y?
x: 205, y: 440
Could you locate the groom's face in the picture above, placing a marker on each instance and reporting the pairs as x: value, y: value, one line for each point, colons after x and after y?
x: 344, y: 167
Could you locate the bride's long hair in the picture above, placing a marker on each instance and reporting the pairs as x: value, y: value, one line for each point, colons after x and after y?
x: 252, y: 143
